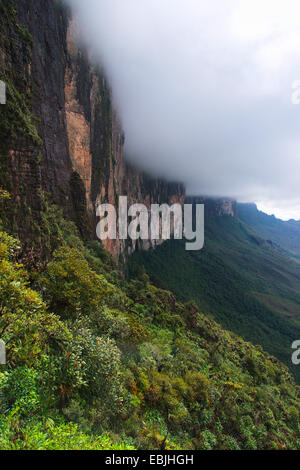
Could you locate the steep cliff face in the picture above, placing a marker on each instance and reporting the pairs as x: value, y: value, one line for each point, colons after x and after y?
x: 67, y: 142
x: 215, y: 207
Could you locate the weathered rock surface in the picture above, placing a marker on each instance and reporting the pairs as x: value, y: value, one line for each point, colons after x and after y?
x: 79, y: 162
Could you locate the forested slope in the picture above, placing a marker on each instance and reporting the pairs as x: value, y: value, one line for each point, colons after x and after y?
x: 244, y: 282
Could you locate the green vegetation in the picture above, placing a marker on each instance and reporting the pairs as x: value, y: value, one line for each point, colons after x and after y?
x: 96, y: 362
x: 247, y: 284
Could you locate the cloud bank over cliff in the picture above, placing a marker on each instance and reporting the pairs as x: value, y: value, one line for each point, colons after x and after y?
x: 204, y: 91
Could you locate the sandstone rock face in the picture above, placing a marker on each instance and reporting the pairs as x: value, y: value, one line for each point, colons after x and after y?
x: 79, y: 160
x: 215, y: 206
x: 96, y: 144
x: 227, y: 207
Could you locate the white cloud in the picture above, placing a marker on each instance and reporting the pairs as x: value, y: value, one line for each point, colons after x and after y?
x: 283, y: 209
x: 204, y: 90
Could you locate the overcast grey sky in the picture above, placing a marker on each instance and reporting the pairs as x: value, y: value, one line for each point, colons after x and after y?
x: 204, y: 90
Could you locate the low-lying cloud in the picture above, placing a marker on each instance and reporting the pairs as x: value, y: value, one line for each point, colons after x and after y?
x: 204, y: 89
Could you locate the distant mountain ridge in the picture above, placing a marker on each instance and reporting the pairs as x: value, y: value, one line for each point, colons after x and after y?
x: 284, y: 233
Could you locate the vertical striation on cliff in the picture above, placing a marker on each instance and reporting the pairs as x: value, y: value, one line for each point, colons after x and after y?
x: 75, y: 155
x: 215, y: 206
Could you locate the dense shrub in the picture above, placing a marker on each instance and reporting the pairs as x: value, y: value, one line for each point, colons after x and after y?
x: 127, y: 358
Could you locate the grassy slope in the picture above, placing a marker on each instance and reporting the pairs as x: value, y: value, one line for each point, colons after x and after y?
x: 245, y: 283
